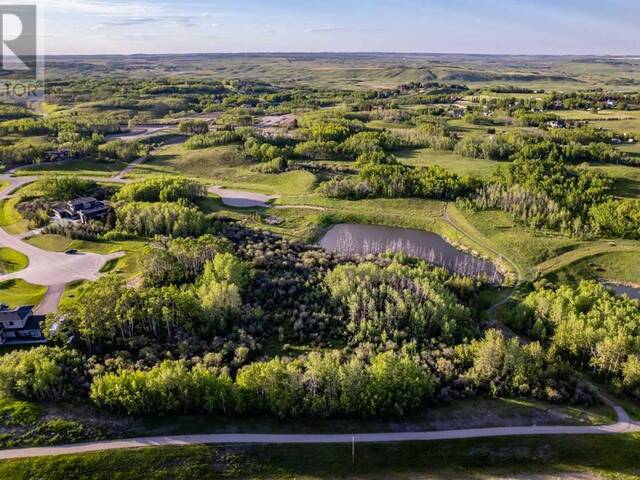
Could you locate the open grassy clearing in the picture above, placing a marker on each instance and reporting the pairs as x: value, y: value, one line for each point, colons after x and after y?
x: 448, y: 160
x: 12, y: 260
x: 76, y: 167
x: 18, y: 292
x: 612, y: 266
x: 626, y: 179
x: 526, y: 247
x: 227, y: 166
x: 585, y: 456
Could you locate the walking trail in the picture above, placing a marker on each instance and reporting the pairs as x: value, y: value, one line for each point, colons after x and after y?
x: 623, y: 425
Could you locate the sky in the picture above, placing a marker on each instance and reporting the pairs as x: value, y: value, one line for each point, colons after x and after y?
x: 602, y: 27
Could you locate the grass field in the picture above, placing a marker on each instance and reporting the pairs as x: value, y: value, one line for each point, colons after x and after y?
x: 18, y: 292
x: 12, y: 260
x: 225, y: 165
x: 526, y: 247
x: 612, y: 266
x: 451, y: 161
x: 76, y: 167
x: 583, y: 456
x: 626, y: 179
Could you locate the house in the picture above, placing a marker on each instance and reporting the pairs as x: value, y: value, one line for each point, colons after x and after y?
x: 58, y: 155
x: 82, y: 209
x: 19, y: 326
x: 556, y: 124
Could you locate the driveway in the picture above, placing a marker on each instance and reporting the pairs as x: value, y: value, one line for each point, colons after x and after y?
x: 53, y: 268
x: 241, y: 198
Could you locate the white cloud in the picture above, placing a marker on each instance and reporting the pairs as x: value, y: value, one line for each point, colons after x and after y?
x: 335, y: 29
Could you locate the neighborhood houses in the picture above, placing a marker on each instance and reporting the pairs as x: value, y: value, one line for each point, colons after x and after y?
x: 19, y: 326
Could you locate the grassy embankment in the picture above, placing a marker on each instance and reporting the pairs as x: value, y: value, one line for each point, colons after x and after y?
x: 584, y: 456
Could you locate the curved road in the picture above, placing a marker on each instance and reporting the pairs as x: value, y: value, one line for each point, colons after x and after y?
x: 624, y: 425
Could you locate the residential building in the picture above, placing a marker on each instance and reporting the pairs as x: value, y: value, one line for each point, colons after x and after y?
x: 82, y: 209
x: 19, y: 326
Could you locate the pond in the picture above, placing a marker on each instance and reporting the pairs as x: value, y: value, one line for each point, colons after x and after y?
x: 350, y: 238
x: 618, y: 289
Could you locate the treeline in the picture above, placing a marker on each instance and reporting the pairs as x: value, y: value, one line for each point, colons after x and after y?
x: 577, y: 145
x: 327, y: 384
x: 119, y: 314
x: 326, y: 135
x: 144, y: 219
x: 212, y: 139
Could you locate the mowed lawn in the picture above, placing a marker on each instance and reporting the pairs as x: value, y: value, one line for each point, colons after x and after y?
x: 226, y: 165
x: 12, y: 260
x: 18, y: 292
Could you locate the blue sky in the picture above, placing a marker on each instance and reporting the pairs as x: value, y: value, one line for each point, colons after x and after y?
x: 470, y: 26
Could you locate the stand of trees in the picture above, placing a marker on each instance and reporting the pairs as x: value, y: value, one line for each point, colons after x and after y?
x: 589, y: 326
x: 161, y: 189
x: 397, y: 303
x: 322, y: 385
x: 394, y: 180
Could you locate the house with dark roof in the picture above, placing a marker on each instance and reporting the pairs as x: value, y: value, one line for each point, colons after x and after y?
x: 19, y: 326
x: 82, y: 209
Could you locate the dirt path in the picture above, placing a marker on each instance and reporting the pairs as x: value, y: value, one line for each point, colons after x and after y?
x: 492, y: 321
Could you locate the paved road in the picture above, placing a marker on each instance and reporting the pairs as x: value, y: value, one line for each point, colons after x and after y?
x: 263, y: 438
x: 140, y: 133
x: 53, y: 268
x: 241, y: 198
x: 128, y: 168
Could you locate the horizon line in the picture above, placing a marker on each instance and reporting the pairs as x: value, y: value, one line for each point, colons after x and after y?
x: 329, y: 52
